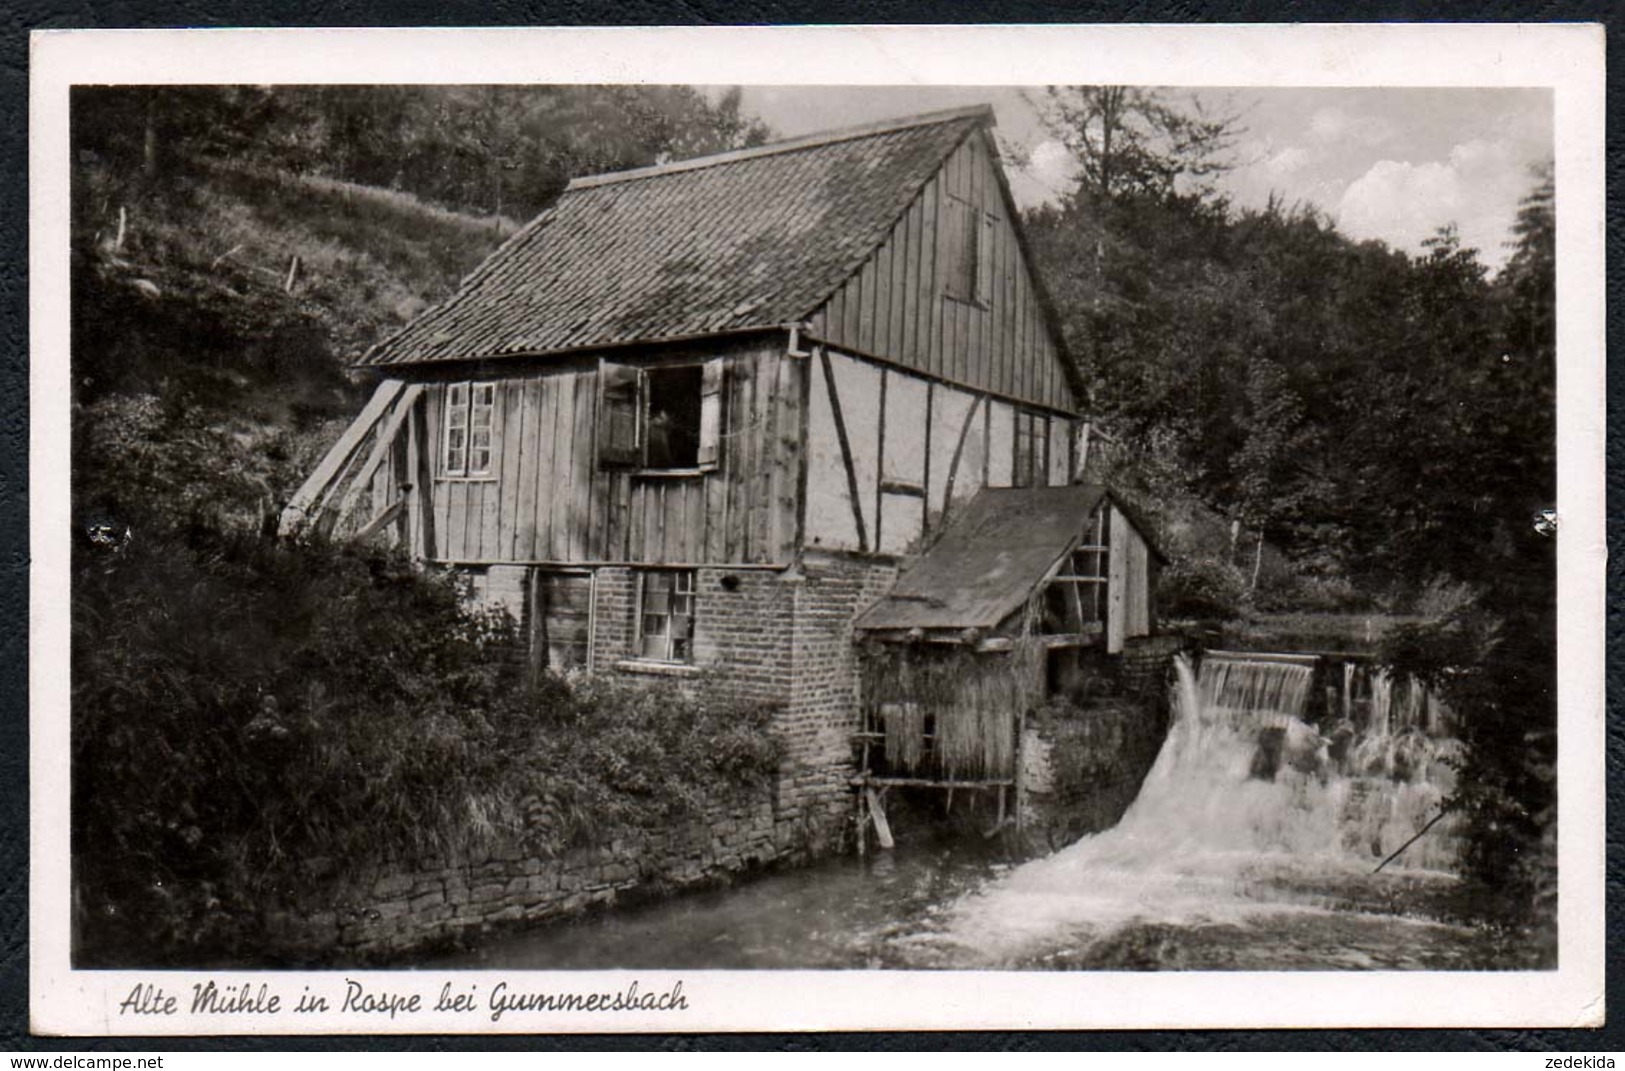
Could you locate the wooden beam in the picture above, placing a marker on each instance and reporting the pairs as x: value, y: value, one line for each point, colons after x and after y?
x: 901, y: 487
x: 959, y: 451
x: 880, y: 465
x: 423, y: 480
x: 878, y: 813
x: 380, y: 448
x: 846, y: 448
x: 338, y: 456
x: 390, y: 512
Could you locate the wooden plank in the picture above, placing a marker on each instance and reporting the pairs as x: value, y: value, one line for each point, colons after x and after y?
x: 803, y: 368
x: 786, y: 424
x: 880, y: 461
x: 388, y: 430
x: 513, y: 453
x: 564, y: 486
x: 878, y: 342
x: 762, y: 502
x: 299, y: 507
x: 582, y: 467
x: 878, y: 813
x: 913, y: 297
x: 550, y: 488
x: 852, y: 493
x: 524, y: 471
x: 870, y: 282
x: 959, y: 451
x: 389, y: 513
x: 422, y: 488
x: 925, y: 475
x: 1117, y: 572
x: 456, y: 492
x: 935, y: 299
x: 715, y: 488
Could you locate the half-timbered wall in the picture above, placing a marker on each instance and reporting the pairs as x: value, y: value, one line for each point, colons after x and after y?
x: 909, y: 304
x: 916, y: 448
x: 547, y: 498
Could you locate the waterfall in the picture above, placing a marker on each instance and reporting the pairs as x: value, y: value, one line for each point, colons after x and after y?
x: 1248, y: 805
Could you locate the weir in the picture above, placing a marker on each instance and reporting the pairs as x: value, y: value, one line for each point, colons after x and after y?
x: 1251, y: 801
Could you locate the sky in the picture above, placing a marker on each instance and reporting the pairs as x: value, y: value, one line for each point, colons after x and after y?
x: 1384, y: 163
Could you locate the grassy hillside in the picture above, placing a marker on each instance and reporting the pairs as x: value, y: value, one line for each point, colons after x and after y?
x: 229, y: 301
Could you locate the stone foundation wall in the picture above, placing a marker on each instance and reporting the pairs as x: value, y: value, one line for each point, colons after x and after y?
x: 442, y: 904
x: 1080, y: 772
x: 771, y: 635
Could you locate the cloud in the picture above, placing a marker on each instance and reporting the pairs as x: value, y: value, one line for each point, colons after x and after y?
x: 1477, y: 187
x: 1333, y: 124
x: 1288, y: 161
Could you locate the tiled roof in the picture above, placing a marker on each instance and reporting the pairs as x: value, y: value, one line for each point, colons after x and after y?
x: 749, y: 239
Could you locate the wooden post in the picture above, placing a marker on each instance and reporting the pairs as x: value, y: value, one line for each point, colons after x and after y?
x: 1021, y: 789
x: 877, y: 811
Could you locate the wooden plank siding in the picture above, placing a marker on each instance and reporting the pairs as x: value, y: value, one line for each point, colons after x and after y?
x: 547, y: 499
x: 895, y: 307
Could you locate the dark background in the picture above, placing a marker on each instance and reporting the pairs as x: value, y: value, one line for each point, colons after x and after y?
x: 21, y: 18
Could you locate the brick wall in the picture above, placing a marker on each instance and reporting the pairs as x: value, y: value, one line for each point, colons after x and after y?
x: 784, y: 636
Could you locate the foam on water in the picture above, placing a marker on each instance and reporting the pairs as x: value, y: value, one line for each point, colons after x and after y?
x: 1246, y: 806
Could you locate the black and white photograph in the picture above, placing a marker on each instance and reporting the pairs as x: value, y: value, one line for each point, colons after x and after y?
x: 1067, y: 531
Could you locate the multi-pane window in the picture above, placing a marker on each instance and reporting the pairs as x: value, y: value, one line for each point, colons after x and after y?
x: 666, y: 615
x: 470, y: 428
x: 1031, y: 450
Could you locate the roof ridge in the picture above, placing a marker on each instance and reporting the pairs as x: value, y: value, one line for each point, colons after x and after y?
x: 807, y: 141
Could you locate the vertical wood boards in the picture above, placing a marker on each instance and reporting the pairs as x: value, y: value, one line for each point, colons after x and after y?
x: 1137, y: 614
x: 1116, y: 581
x: 894, y: 306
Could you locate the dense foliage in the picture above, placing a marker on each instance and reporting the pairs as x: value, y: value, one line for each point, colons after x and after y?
x: 256, y: 723
x: 1387, y: 420
x: 498, y: 149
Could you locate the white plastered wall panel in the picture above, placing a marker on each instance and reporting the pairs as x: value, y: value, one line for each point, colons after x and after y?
x: 1001, y: 442
x: 830, y: 520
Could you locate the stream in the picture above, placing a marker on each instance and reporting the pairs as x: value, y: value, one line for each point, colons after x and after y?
x: 1251, y: 846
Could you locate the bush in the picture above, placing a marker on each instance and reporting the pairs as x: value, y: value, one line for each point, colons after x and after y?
x: 254, y: 724
x: 1201, y: 588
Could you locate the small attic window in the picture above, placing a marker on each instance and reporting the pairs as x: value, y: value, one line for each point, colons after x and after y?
x: 970, y: 253
x: 661, y: 418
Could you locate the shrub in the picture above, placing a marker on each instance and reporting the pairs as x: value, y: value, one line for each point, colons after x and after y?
x: 1201, y: 588
x: 254, y: 724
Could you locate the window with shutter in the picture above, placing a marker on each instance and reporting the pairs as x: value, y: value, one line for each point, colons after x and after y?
x: 619, y: 402
x: 964, y: 234
x: 661, y: 418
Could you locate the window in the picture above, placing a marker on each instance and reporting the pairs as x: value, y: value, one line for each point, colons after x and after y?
x: 660, y: 418
x: 970, y: 253
x: 470, y: 428
x: 666, y: 615
x: 1031, y: 451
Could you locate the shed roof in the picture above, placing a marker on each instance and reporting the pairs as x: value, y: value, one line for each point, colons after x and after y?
x: 988, y: 561
x: 744, y: 240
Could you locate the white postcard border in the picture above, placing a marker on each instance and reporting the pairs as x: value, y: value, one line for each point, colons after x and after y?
x: 1566, y: 58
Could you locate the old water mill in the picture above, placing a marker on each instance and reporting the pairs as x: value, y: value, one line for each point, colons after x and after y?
x: 1278, y: 828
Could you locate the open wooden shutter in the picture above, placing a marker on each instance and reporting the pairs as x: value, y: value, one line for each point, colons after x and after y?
x: 711, y: 381
x: 619, y: 395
